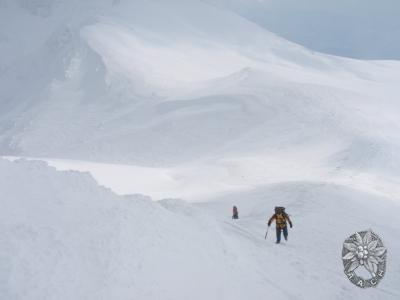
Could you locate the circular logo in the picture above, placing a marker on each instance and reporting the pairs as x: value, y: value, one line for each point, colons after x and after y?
x: 364, y: 249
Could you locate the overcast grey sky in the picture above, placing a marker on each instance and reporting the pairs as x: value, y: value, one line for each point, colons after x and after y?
x: 367, y: 29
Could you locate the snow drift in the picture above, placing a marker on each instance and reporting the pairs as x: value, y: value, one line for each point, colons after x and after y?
x: 207, y: 106
x: 65, y: 237
x: 166, y: 82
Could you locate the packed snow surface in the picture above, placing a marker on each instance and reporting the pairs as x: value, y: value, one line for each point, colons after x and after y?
x: 64, y: 237
x: 134, y: 102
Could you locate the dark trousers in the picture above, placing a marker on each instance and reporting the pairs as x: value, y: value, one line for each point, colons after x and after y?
x: 279, y: 232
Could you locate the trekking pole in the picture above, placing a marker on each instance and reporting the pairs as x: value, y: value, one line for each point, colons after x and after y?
x: 266, y: 233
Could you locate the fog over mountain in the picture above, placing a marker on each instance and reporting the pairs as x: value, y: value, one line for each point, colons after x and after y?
x: 365, y: 29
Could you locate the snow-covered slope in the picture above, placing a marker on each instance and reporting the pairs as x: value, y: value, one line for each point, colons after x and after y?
x: 197, y: 103
x: 165, y: 82
x: 64, y: 237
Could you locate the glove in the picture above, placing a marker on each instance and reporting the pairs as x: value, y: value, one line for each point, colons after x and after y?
x: 291, y: 225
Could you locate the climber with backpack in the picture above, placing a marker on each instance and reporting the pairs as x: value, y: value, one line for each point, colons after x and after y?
x: 235, y: 213
x: 281, y: 218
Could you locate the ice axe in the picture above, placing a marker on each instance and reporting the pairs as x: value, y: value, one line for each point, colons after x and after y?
x: 266, y: 233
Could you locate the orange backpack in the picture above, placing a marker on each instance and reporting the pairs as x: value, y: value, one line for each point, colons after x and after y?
x: 280, y: 219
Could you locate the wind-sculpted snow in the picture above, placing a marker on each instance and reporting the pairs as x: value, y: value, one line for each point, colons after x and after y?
x: 166, y: 82
x: 196, y: 103
x: 65, y: 237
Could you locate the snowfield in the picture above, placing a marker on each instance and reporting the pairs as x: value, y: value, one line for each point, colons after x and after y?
x: 107, y: 76
x: 64, y: 237
x: 141, y: 123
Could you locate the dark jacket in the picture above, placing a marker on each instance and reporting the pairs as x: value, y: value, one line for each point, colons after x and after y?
x: 235, y: 213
